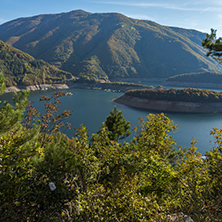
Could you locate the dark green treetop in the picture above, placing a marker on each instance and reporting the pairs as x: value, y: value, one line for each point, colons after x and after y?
x: 117, y: 125
x: 214, y: 45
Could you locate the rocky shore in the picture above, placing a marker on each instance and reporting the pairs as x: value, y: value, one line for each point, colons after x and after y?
x: 169, y: 106
x: 36, y: 87
x: 68, y: 85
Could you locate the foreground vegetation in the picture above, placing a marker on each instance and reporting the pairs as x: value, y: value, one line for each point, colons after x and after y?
x: 185, y: 95
x: 46, y: 176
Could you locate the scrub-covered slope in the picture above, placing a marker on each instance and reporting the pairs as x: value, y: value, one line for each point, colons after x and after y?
x: 22, y: 69
x: 109, y: 45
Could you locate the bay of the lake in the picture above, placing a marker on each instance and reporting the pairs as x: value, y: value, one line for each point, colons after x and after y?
x: 91, y: 107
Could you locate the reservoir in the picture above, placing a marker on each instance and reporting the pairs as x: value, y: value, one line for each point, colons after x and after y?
x: 91, y: 107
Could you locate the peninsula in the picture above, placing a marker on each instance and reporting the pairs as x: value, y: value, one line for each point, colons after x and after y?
x: 188, y: 100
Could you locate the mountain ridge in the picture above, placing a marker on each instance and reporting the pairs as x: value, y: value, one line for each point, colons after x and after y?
x: 109, y: 45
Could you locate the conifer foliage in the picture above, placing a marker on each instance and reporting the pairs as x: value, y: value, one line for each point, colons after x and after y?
x: 46, y: 176
x: 214, y: 45
x: 117, y: 125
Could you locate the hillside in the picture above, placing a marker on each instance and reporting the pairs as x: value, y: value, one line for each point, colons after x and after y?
x: 109, y: 45
x: 203, y: 77
x: 19, y: 68
x: 209, y: 80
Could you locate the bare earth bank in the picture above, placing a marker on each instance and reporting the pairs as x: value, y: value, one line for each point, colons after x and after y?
x: 36, y: 87
x: 169, y: 106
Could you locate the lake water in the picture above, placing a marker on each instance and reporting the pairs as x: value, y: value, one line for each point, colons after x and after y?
x: 91, y: 107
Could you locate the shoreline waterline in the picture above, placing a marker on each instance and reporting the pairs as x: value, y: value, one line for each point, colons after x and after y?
x: 91, y: 107
x: 36, y: 87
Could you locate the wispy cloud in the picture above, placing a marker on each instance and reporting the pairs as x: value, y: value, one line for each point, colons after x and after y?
x: 184, y: 6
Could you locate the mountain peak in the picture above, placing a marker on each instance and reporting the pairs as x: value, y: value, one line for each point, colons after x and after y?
x: 109, y: 44
x: 79, y: 12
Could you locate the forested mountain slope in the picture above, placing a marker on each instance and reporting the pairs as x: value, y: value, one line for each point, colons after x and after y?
x: 22, y: 69
x: 109, y: 45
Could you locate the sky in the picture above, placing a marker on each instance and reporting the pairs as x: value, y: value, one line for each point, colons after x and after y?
x: 201, y: 15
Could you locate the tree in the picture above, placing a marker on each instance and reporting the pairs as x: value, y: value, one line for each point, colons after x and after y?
x: 2, y: 83
x: 10, y: 117
x: 51, y: 120
x: 18, y: 145
x: 100, y: 179
x: 214, y: 45
x: 117, y: 125
x: 155, y: 134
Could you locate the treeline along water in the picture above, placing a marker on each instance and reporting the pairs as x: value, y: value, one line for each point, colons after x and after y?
x: 90, y: 107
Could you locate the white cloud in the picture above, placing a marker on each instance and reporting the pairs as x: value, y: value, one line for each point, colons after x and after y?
x: 198, y: 6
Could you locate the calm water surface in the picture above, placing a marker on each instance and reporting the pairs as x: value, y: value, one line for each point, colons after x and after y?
x: 90, y: 107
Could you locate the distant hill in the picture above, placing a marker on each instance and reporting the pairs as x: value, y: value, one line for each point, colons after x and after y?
x: 19, y: 68
x: 109, y: 45
x: 210, y: 80
x: 203, y: 77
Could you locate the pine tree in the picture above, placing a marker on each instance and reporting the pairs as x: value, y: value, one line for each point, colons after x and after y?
x: 117, y: 125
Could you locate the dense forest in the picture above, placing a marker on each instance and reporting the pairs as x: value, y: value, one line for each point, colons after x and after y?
x: 185, y: 95
x: 109, y: 45
x: 20, y: 68
x: 46, y: 176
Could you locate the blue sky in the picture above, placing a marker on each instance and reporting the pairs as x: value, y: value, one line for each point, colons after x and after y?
x: 201, y: 15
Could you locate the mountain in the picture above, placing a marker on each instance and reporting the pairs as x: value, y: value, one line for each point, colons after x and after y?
x: 109, y: 45
x: 22, y: 69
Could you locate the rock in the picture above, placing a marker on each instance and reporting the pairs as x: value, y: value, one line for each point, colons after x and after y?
x: 11, y: 89
x: 36, y: 87
x: 180, y: 217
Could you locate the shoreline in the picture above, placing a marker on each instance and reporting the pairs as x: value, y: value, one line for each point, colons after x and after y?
x: 35, y: 87
x: 104, y: 86
x: 169, y: 106
x: 109, y: 86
